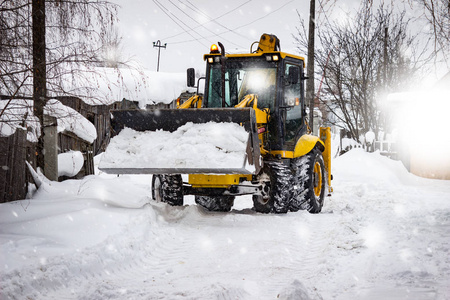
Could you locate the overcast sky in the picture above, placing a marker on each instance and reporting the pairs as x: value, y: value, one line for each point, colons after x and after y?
x: 189, y: 27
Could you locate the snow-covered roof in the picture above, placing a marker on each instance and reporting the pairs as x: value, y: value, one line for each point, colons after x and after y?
x: 108, y: 85
x: 70, y: 120
x: 19, y: 114
x: 99, y: 86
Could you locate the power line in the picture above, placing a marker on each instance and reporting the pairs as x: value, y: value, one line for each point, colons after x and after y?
x: 167, y: 13
x: 186, y: 14
x: 256, y: 20
x: 210, y: 19
x: 215, y: 19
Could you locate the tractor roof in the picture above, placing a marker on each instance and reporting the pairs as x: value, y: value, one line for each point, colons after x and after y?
x: 283, y: 55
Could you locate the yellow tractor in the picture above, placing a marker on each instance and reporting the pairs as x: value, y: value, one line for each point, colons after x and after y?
x: 263, y: 91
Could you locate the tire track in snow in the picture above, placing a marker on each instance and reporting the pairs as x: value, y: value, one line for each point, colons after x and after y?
x: 170, y: 246
x: 192, y: 254
x: 305, y: 244
x: 128, y: 269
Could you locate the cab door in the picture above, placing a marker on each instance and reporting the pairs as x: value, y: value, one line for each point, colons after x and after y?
x: 293, y: 98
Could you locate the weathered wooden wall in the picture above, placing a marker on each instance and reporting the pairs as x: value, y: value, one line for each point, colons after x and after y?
x: 14, y: 176
x: 98, y: 115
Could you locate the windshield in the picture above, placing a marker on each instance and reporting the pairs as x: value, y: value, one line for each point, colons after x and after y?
x: 243, y: 77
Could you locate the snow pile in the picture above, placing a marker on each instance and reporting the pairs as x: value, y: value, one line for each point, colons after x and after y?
x: 192, y: 146
x: 64, y: 217
x: 70, y: 163
x: 371, y: 168
x: 19, y: 114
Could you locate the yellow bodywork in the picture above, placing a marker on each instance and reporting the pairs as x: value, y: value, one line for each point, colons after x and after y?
x: 262, y: 117
x: 268, y: 42
x: 325, y: 136
x: 258, y: 54
x: 251, y: 100
x: 305, y: 144
x: 217, y: 181
x: 283, y: 153
x: 193, y: 102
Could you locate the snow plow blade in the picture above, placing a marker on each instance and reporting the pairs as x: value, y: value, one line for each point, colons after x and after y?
x: 170, y: 120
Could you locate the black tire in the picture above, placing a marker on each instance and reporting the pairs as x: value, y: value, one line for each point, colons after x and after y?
x: 309, y: 182
x: 168, y: 189
x: 280, y: 189
x: 216, y: 203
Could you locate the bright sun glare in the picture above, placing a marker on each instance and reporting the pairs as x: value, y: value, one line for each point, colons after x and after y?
x: 423, y: 121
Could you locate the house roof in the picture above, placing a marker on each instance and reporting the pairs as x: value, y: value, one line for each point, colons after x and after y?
x: 19, y: 114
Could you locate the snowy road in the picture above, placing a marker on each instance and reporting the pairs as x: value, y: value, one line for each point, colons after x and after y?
x: 384, y: 234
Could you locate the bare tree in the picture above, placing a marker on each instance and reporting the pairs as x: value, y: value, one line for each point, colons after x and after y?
x: 15, y: 45
x: 437, y: 14
x: 76, y: 33
x: 361, y: 62
x: 46, y: 46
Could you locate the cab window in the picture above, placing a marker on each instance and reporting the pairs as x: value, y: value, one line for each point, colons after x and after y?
x: 292, y: 99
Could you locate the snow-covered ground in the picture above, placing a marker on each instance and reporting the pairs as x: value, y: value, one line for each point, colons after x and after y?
x: 383, y: 234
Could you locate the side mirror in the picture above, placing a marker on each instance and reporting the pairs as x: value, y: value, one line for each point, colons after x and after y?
x: 191, y: 77
x: 294, y: 74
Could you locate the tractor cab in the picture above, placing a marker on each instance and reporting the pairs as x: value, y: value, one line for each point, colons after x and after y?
x: 276, y: 79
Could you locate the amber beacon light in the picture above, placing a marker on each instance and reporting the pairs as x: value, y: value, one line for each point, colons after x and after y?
x: 214, y: 49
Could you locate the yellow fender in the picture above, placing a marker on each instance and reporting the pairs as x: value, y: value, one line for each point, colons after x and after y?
x: 306, y: 143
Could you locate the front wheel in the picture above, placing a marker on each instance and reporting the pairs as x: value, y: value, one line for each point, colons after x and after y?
x: 277, y: 201
x: 168, y: 189
x: 309, y: 182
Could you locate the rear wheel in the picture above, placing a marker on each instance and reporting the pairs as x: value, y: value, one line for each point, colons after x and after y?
x: 309, y: 182
x: 216, y: 203
x: 168, y: 189
x: 277, y: 201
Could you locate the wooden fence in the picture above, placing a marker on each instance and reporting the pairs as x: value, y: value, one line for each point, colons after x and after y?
x: 14, y: 176
x: 99, y: 115
x: 15, y: 150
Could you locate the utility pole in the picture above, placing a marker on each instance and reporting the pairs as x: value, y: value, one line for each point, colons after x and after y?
x: 46, y: 148
x: 310, y: 70
x: 158, y: 45
x: 39, y: 72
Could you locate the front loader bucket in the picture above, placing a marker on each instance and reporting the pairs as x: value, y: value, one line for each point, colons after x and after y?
x: 170, y: 120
